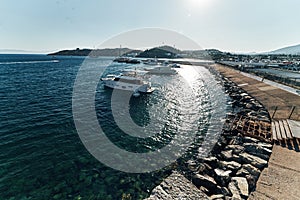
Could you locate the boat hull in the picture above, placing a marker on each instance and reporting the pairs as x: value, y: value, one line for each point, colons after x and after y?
x: 145, y: 88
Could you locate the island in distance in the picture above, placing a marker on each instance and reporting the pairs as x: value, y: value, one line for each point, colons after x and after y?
x: 97, y: 52
x: 158, y: 52
x: 289, y: 53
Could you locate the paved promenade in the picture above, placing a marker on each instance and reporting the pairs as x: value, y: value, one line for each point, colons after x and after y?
x: 281, y: 180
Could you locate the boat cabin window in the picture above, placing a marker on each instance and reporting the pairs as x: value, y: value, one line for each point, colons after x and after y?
x: 110, y: 76
x: 131, y: 81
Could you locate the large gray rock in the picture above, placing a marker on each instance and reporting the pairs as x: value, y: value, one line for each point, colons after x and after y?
x: 253, y: 160
x: 227, y: 155
x: 192, y: 165
x: 252, y: 170
x: 257, y: 150
x: 225, y: 191
x: 250, y: 106
x: 250, y: 140
x: 222, y: 173
x: 232, y: 165
x: 265, y: 145
x: 217, y: 197
x: 251, y: 181
x: 205, y: 181
x: 234, y: 190
x: 176, y: 186
x: 242, y: 172
x: 242, y: 185
x: 248, y: 169
x: 223, y: 177
x: 211, y: 161
x: 201, y: 168
x: 236, y: 141
x: 237, y: 149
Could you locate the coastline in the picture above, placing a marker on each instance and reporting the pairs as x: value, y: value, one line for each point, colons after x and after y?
x: 281, y: 180
x: 238, y: 167
x: 233, y: 166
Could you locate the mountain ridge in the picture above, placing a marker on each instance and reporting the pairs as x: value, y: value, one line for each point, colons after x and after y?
x: 166, y: 51
x: 294, y: 49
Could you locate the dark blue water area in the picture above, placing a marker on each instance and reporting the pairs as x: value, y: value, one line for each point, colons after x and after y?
x: 41, y: 154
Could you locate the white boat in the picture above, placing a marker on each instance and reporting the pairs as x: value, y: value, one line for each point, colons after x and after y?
x: 128, y: 82
x: 174, y: 65
x: 151, y: 62
x: 168, y: 64
x: 163, y: 70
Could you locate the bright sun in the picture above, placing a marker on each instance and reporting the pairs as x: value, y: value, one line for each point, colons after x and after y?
x: 199, y: 3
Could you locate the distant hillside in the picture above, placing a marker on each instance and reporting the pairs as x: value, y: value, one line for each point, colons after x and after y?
x: 160, y: 52
x: 170, y: 52
x: 75, y: 52
x: 294, y: 50
x: 97, y: 52
x: 115, y: 52
x: 170, y: 49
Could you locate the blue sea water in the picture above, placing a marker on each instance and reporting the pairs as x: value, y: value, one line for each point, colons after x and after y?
x: 41, y: 154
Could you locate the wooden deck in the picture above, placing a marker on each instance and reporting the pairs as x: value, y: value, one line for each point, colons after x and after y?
x: 286, y: 133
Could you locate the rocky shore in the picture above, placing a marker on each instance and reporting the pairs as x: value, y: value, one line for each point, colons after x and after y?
x: 234, y: 165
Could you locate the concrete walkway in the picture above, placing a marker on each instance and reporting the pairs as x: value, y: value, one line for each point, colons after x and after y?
x: 281, y: 180
x: 279, y: 103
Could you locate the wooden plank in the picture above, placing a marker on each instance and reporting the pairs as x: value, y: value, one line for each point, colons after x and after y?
x: 295, y: 128
x: 282, y: 130
x: 274, y: 137
x: 278, y: 134
x: 287, y: 129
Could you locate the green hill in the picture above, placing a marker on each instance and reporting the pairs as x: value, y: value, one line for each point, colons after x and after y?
x: 98, y: 52
x: 160, y: 52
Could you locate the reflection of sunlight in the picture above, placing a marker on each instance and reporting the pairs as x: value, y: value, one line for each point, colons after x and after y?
x: 189, y: 74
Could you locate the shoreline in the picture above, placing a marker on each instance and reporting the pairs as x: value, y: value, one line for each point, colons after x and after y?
x: 281, y: 179
x: 234, y: 165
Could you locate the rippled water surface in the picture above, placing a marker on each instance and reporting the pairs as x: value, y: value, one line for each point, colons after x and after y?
x: 42, y: 156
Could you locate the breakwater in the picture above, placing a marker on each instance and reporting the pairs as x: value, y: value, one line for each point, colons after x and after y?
x: 241, y: 153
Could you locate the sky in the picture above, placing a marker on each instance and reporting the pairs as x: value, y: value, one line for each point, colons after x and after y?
x: 228, y: 25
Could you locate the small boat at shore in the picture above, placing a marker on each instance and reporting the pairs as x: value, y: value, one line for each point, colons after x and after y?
x: 152, y: 62
x: 126, y: 60
x: 128, y: 82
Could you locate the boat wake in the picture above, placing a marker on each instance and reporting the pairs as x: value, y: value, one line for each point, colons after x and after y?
x: 29, y: 62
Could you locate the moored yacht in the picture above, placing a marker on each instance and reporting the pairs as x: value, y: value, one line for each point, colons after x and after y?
x: 151, y: 62
x: 128, y: 82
